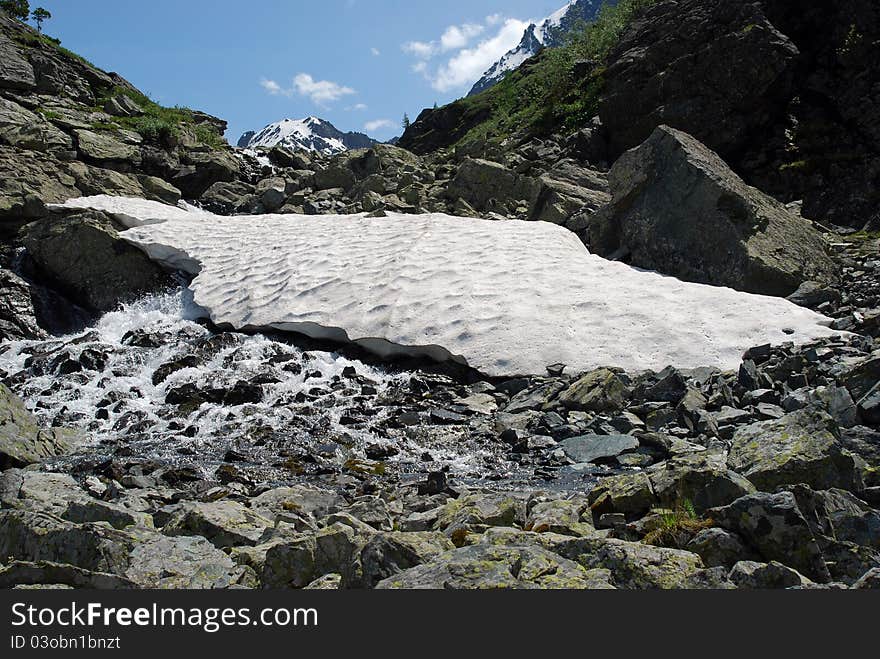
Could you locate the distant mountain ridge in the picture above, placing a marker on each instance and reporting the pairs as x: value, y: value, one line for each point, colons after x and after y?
x: 310, y: 134
x: 550, y: 33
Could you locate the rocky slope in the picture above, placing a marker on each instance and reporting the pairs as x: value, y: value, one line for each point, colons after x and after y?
x: 552, y: 32
x: 147, y: 450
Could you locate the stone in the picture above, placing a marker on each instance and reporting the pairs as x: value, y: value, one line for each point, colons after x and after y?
x: 229, y: 198
x: 801, y: 447
x: 593, y: 448
x: 24, y: 129
x: 489, y: 567
x: 562, y: 517
x: 629, y: 494
x: 23, y: 441
x: 487, y: 185
x: 387, y: 554
x: 775, y: 527
x: 298, y: 563
x: 103, y: 148
x: 223, y: 523
x: 718, y: 547
x: 599, y: 391
x: 17, y: 73
x: 680, y: 210
x: 84, y: 254
x: 18, y: 318
x: 299, y: 499
x: 46, y: 573
x: 764, y: 576
x: 869, y: 581
x: 702, y: 479
x: 479, y: 510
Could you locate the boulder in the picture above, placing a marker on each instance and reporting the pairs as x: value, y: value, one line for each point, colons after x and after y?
x: 599, y: 391
x: 298, y: 563
x: 46, y: 573
x: 223, y: 523
x: 679, y: 209
x: 593, y: 448
x: 718, y: 547
x: 801, y: 447
x: 22, y: 128
x: 17, y: 315
x: 23, y: 441
x: 490, y: 567
x: 628, y: 494
x: 387, y: 554
x: 703, y: 479
x: 229, y: 198
x: 763, y: 576
x: 85, y: 256
x: 775, y: 527
x: 487, y: 185
x: 17, y: 73
x: 105, y: 149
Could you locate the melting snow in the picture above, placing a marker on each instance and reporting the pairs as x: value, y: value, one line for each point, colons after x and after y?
x: 507, y: 298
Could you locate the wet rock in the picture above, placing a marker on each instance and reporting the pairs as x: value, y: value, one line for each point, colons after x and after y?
x: 801, y: 447
x: 18, y: 318
x: 594, y: 448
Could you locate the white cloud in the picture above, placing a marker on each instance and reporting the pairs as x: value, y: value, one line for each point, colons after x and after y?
x: 321, y: 92
x: 272, y: 87
x: 467, y: 65
x: 376, y: 52
x: 357, y: 107
x: 379, y: 124
x: 467, y: 61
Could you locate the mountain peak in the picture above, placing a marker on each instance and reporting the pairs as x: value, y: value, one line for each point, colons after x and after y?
x: 309, y: 134
x: 549, y: 33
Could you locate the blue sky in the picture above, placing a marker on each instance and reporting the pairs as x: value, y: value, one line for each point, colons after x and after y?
x: 358, y: 63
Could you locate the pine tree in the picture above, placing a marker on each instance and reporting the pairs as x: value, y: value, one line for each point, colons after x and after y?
x: 39, y: 15
x: 19, y: 9
x: 406, y: 122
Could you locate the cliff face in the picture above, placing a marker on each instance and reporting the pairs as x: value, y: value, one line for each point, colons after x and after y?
x: 68, y: 128
x: 786, y: 93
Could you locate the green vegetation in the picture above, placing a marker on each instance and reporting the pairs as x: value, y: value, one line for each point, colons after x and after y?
x: 676, y: 527
x: 38, y: 16
x: 19, y: 9
x: 559, y: 88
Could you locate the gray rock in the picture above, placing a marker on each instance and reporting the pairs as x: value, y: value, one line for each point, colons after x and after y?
x: 223, y: 523
x: 489, y: 567
x: 592, y: 448
x: 629, y: 494
x: 599, y: 391
x: 84, y: 254
x: 103, y: 148
x: 487, y: 185
x: 387, y: 554
x: 764, y: 576
x: 24, y: 129
x: 774, y: 526
x: 680, y: 210
x: 801, y: 447
x: 46, y: 573
x: 718, y: 547
x: 23, y: 441
x: 17, y: 315
x: 703, y: 479
x: 869, y: 581
x: 298, y: 563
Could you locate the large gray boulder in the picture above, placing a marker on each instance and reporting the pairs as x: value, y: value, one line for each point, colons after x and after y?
x: 679, y: 209
x: 487, y: 185
x: 17, y: 316
x: 84, y: 255
x: 22, y: 128
x: 22, y: 440
x: 801, y: 447
x: 488, y: 567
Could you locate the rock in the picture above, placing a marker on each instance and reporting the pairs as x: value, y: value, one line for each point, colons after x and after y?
x: 635, y: 566
x: 870, y: 581
x: 487, y: 185
x: 102, y: 270
x: 811, y: 294
x: 479, y: 510
x: 17, y: 73
x: 139, y: 555
x: 774, y: 526
x: 387, y: 554
x: 298, y: 563
x: 327, y: 582
x: 17, y: 315
x: 298, y: 499
x: 593, y: 448
x: 801, y: 447
x: 487, y: 567
x: 839, y: 516
x: 105, y: 150
x: 557, y: 201
x: 562, y: 517
x: 703, y: 479
x: 718, y: 547
x: 223, y: 523
x: 23, y: 441
x: 202, y: 169
x: 229, y: 198
x: 599, y: 391
x: 680, y: 210
x: 22, y: 128
x: 629, y: 494
x: 46, y: 573
x: 763, y: 576
x: 122, y: 105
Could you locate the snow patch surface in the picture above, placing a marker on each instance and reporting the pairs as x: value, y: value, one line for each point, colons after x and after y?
x: 508, y: 298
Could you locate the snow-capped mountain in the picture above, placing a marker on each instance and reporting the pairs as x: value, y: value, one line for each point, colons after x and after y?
x: 549, y: 33
x: 310, y: 134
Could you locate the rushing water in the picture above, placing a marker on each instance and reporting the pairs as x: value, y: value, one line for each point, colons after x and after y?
x: 268, y: 404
